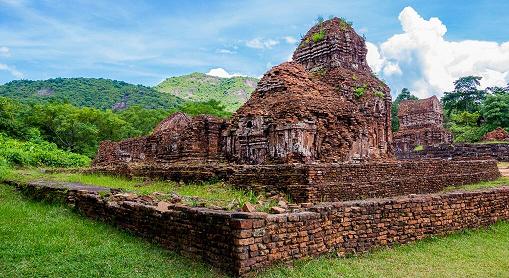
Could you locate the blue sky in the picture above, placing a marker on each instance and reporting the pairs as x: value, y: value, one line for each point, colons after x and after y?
x: 144, y: 42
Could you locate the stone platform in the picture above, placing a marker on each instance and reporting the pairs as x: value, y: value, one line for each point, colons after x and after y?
x: 243, y: 243
x: 325, y: 181
x: 498, y: 151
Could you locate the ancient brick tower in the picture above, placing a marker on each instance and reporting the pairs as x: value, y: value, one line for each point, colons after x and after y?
x: 325, y: 106
x: 421, y: 123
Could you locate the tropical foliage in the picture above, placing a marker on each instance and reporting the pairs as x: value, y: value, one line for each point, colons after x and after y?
x: 88, y: 92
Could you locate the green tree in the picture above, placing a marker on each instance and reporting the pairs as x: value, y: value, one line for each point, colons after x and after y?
x: 495, y: 110
x: 466, y: 96
x: 211, y: 107
x: 405, y: 94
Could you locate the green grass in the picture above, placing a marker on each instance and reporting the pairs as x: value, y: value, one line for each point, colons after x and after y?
x: 503, y: 165
x: 210, y: 194
x: 419, y: 148
x: 480, y: 185
x: 43, y: 240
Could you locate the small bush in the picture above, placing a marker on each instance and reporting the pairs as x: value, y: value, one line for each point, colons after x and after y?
x: 379, y: 94
x: 41, y: 153
x: 359, y: 91
x: 318, y: 36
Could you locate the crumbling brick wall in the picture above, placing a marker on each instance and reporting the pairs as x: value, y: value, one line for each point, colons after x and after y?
x: 179, y: 138
x: 499, y: 152
x: 241, y: 243
x: 327, y: 181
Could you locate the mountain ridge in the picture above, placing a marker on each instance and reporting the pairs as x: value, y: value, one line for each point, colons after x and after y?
x: 231, y: 92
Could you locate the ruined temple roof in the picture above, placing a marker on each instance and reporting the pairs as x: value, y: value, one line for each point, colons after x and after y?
x: 174, y: 123
x: 408, y: 107
x: 322, y: 80
x: 332, y: 43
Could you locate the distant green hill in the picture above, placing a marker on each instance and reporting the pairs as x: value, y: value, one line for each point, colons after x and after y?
x: 232, y: 92
x: 89, y: 92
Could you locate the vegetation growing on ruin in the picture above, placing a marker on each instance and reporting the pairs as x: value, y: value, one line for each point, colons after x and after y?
x: 214, y: 193
x: 379, y: 94
x: 318, y: 36
x: 44, y: 236
x: 419, y: 148
x: 359, y: 91
x: 502, y: 181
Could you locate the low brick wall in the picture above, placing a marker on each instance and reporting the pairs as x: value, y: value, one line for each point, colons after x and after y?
x: 242, y: 243
x: 499, y: 152
x: 327, y: 182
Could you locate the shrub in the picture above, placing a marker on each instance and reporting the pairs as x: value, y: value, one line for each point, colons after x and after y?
x: 359, y: 91
x: 42, y: 153
x: 379, y: 94
x: 318, y: 36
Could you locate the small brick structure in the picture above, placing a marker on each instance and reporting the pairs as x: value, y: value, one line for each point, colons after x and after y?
x: 499, y: 134
x: 497, y: 151
x: 241, y: 243
x: 421, y: 123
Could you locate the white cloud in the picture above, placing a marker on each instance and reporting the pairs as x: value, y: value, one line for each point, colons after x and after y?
x: 12, y: 71
x: 290, y: 39
x: 436, y: 61
x: 5, y: 51
x: 225, y: 51
x: 220, y: 72
x: 260, y: 43
x: 391, y: 68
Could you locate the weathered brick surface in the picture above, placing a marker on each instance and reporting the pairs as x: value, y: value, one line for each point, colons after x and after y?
x: 240, y: 243
x: 179, y: 138
x: 421, y: 123
x: 499, y: 152
x: 328, y: 181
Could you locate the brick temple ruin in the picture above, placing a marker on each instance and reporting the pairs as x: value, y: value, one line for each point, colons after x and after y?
x: 317, y: 128
x: 421, y: 124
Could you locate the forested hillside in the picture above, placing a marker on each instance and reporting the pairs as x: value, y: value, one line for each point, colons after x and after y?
x: 89, y: 92
x: 231, y: 92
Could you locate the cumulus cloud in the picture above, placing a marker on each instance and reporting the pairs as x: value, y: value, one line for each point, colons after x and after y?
x: 423, y: 60
x: 11, y: 70
x: 260, y: 43
x: 290, y: 39
x: 220, y: 72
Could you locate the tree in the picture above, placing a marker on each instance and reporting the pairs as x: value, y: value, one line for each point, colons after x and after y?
x: 405, y: 94
x: 465, y: 97
x: 495, y: 110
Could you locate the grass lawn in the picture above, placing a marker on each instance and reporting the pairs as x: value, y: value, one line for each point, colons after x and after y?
x: 43, y: 240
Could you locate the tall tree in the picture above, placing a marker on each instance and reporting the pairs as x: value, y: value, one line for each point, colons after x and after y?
x: 466, y: 96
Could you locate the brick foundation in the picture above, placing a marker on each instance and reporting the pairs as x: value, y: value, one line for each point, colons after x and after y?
x: 499, y: 152
x: 327, y: 182
x: 242, y: 243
